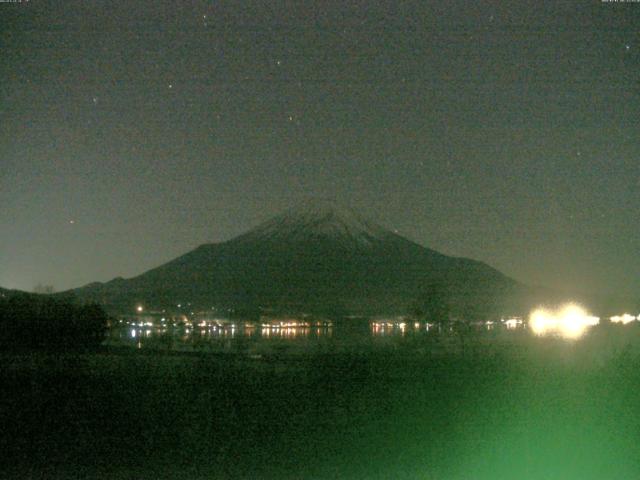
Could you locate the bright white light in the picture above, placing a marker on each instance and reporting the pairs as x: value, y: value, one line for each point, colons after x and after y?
x: 512, y: 323
x: 542, y: 322
x: 623, y: 319
x: 139, y: 308
x: 571, y: 321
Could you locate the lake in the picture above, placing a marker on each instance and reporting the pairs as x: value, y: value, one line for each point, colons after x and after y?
x: 294, y: 336
x: 542, y: 409
x: 356, y: 401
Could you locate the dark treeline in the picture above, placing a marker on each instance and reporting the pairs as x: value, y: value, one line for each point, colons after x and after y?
x: 39, y: 322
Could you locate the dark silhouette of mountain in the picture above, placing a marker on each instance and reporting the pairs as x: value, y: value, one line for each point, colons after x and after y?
x: 316, y: 258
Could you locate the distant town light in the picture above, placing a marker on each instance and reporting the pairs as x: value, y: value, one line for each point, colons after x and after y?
x: 512, y: 323
x: 139, y: 308
x: 623, y: 319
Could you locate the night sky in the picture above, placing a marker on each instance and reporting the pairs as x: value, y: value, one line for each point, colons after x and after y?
x: 131, y: 132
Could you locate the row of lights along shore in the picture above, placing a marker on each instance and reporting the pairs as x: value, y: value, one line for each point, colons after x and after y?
x: 570, y: 321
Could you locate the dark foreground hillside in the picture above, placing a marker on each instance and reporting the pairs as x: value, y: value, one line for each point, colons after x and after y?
x: 543, y: 410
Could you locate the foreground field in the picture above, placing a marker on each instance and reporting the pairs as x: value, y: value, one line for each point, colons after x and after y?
x: 541, y: 409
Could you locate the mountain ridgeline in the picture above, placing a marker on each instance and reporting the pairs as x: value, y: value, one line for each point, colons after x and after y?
x: 320, y: 260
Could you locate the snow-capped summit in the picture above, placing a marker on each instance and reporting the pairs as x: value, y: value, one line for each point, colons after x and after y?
x: 319, y: 219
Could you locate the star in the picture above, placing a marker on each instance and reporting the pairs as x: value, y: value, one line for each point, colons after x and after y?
x: 72, y: 222
x: 170, y: 85
x: 279, y: 62
x: 95, y: 100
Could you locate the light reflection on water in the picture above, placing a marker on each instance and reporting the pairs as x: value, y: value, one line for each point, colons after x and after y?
x: 216, y: 336
x: 385, y: 328
x: 255, y: 337
x: 290, y: 334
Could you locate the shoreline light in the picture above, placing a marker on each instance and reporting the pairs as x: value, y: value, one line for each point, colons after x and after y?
x: 571, y: 321
x: 512, y: 323
x: 623, y: 319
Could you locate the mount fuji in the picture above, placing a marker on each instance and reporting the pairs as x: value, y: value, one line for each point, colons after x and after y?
x: 314, y: 258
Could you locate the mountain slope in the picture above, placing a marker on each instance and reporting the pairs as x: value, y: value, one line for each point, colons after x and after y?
x: 313, y: 258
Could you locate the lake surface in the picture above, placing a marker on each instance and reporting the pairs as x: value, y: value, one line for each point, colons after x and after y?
x: 541, y: 411
x: 496, y: 404
x: 294, y: 335
x: 287, y: 336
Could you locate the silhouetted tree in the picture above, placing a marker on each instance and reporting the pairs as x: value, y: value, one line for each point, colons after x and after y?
x: 332, y: 311
x: 43, y: 289
x: 434, y: 305
x: 30, y: 322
